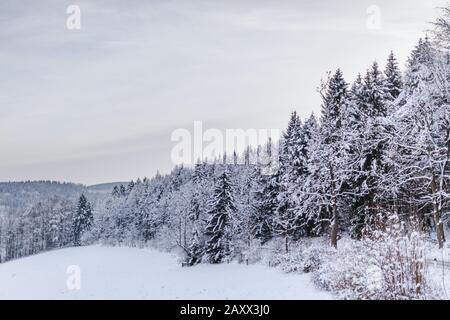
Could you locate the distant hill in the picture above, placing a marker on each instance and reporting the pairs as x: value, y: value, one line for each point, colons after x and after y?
x: 24, y: 194
x: 105, y: 187
x: 17, y: 196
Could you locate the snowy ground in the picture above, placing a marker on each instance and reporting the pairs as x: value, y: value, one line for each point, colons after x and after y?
x: 129, y: 273
x: 438, y: 262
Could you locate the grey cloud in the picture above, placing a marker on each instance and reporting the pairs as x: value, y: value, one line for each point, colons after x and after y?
x: 113, y: 91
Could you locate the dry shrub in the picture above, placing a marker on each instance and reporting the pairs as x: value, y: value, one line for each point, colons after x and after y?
x: 397, y: 248
x: 387, y: 264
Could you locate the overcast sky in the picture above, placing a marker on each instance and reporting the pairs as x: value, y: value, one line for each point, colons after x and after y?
x: 99, y: 104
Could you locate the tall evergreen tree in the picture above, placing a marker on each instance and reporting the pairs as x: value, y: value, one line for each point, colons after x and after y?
x: 309, y: 225
x: 393, y: 80
x: 326, y: 179
x: 293, y: 167
x: 264, y: 201
x: 368, y: 109
x: 420, y: 147
x: 219, y: 227
x: 83, y: 219
x: 195, y: 250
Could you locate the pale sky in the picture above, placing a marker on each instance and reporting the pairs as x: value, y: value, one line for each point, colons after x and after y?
x: 99, y: 104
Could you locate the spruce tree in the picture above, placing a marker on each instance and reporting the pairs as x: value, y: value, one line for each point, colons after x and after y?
x: 355, y: 122
x: 419, y: 149
x: 293, y: 168
x: 195, y: 250
x: 308, y: 225
x: 375, y: 92
x: 218, y: 229
x: 327, y: 174
x: 393, y: 80
x: 365, y: 136
x: 83, y: 219
x: 264, y: 202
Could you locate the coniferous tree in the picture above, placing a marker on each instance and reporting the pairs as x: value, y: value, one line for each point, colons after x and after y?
x: 393, y: 80
x: 83, y: 219
x: 306, y: 219
x: 354, y: 122
x: 264, y: 207
x: 195, y: 250
x: 327, y: 174
x: 420, y: 147
x: 292, y: 168
x: 218, y: 229
x: 122, y: 190
x: 367, y: 109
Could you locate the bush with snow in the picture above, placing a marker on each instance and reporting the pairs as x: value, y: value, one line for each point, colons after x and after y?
x: 390, y: 263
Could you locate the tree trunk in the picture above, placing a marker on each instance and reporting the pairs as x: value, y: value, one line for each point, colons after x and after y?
x: 440, y: 235
x: 286, y: 243
x: 334, y: 225
x: 334, y: 214
x: 185, y: 232
x: 437, y: 215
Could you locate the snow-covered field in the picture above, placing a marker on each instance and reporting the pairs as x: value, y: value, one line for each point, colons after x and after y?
x: 130, y: 273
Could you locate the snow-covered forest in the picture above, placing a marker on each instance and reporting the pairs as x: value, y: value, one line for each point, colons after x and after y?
x: 37, y: 216
x: 361, y: 197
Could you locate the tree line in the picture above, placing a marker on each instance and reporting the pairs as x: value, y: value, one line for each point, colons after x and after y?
x: 380, y: 148
x: 49, y: 223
